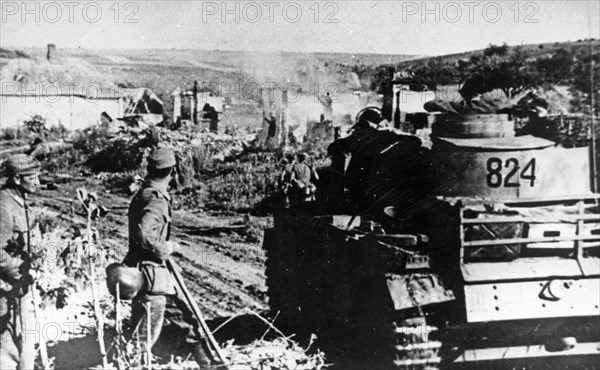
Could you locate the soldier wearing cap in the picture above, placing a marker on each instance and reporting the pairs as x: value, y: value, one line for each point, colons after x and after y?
x: 149, y: 248
x: 302, y: 176
x: 17, y: 324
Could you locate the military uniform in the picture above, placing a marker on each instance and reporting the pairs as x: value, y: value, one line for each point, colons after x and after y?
x: 327, y: 114
x: 285, y: 178
x: 149, y: 248
x: 17, y: 323
x: 302, y: 175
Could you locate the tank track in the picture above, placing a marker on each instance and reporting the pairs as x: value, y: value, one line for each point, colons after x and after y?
x: 412, y: 344
x: 404, y: 334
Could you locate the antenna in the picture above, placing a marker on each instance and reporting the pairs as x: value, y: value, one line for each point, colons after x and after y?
x: 592, y: 123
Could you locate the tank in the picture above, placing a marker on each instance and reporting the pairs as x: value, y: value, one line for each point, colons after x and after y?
x: 482, y: 251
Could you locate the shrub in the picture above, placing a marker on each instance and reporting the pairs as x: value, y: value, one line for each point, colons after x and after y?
x: 242, y: 184
x: 496, y: 50
x: 91, y: 140
x: 36, y: 124
x: 109, y: 154
x: 14, y: 133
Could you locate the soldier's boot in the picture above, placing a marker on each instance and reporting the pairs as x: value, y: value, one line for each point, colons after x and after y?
x: 201, y: 355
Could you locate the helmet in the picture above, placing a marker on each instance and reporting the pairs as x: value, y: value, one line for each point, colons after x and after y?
x: 130, y: 280
x: 368, y: 115
x: 21, y: 164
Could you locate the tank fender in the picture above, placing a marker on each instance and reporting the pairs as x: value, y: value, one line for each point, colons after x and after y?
x: 417, y: 290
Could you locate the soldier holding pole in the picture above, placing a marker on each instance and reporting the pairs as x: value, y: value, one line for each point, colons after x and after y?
x: 149, y: 250
x: 17, y: 322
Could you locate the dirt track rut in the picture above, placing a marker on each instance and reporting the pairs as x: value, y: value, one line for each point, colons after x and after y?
x: 224, y: 274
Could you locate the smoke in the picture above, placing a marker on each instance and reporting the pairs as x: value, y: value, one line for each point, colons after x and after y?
x: 267, y: 68
x: 307, y: 78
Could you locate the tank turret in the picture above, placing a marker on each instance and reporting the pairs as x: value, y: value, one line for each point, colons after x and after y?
x: 480, y: 156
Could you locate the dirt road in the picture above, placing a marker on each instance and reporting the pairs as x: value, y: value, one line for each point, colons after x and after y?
x: 224, y: 272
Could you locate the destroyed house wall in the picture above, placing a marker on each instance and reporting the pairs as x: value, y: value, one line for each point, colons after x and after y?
x: 72, y: 111
x: 141, y: 101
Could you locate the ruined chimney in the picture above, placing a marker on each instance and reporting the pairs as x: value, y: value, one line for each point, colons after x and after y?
x: 51, y: 51
x: 195, y: 102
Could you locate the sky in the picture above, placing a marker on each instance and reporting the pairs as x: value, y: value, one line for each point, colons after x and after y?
x: 384, y: 27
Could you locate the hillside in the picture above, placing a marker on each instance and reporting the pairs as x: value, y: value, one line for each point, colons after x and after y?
x: 227, y: 73
x: 532, y: 51
x: 559, y: 71
x: 163, y: 70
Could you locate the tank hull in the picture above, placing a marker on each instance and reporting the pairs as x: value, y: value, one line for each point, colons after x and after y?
x: 325, y: 272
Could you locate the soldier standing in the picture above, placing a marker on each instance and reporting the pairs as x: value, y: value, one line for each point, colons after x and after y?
x: 302, y: 175
x: 285, y: 177
x: 327, y: 113
x: 149, y: 248
x: 17, y: 324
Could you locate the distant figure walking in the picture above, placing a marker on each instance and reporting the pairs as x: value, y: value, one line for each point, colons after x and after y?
x: 327, y: 113
x: 285, y: 177
x: 211, y: 114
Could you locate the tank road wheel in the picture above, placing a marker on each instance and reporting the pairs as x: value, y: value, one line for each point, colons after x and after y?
x: 412, y: 345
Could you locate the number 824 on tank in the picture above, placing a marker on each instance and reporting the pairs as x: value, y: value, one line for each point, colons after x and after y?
x: 510, y: 173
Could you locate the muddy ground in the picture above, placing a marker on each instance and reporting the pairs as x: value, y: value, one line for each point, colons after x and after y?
x: 224, y: 272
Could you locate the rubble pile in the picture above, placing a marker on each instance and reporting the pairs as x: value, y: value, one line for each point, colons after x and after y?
x: 279, y: 354
x: 319, y: 135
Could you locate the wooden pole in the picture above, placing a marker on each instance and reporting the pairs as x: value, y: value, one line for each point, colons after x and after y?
x: 98, y: 314
x: 34, y: 298
x: 196, y: 311
x: 118, y: 325
x: 592, y: 102
x: 36, y: 312
x: 118, y: 311
x: 593, y: 123
x: 148, y: 336
x: 97, y: 310
x: 195, y: 103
